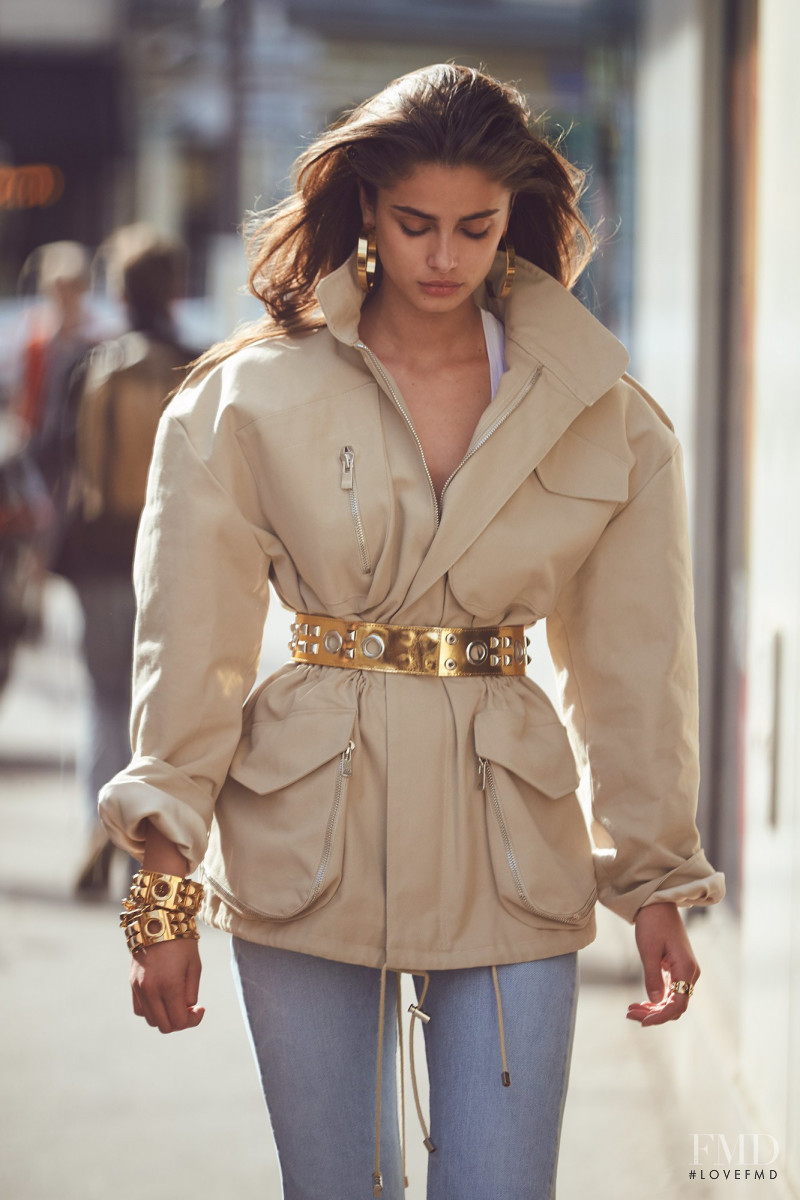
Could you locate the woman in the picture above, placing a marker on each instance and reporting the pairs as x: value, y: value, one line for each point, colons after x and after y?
x: 426, y: 450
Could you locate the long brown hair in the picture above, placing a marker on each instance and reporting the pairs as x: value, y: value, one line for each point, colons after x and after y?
x: 446, y: 114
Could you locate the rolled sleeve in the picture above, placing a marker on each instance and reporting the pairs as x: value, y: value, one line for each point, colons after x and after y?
x: 201, y: 576
x: 623, y: 642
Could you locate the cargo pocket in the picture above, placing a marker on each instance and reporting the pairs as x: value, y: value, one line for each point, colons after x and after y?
x: 538, y: 841
x: 281, y: 814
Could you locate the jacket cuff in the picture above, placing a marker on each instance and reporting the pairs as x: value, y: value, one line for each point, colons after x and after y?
x: 709, y: 890
x: 173, y: 802
x: 694, y: 881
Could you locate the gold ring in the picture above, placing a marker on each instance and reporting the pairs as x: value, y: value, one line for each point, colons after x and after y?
x: 681, y: 987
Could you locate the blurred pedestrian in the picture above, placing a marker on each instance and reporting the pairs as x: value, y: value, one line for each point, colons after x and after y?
x: 58, y: 333
x: 127, y: 383
x: 427, y: 444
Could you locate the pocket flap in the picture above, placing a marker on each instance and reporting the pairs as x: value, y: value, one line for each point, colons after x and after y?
x: 274, y: 754
x: 575, y: 467
x: 539, y: 754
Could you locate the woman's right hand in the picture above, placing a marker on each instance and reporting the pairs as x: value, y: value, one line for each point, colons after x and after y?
x: 165, y: 979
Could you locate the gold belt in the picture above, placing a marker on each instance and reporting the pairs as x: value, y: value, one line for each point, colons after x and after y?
x: 410, y: 649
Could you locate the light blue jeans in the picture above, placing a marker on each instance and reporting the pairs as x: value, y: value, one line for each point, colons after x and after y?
x: 314, y: 1029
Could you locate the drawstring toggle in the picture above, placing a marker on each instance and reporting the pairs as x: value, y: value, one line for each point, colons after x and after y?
x: 417, y: 1012
x: 506, y: 1078
x: 429, y: 1146
x: 377, y: 1184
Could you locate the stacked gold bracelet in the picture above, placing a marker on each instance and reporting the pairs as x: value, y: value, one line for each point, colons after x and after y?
x: 160, y: 908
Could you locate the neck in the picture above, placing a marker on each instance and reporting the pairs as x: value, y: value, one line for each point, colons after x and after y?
x: 158, y: 324
x: 387, y: 320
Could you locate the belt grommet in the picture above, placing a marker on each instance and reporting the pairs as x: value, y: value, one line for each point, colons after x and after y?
x: 519, y: 652
x: 477, y: 653
x: 333, y: 641
x: 451, y: 639
x: 373, y: 646
x: 450, y: 664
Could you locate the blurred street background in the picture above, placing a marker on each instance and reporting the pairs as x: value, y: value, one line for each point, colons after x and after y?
x: 187, y: 113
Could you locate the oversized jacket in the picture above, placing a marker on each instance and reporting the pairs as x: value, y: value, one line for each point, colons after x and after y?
x: 379, y: 818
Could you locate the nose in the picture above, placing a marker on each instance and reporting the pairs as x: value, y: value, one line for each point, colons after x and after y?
x: 441, y: 257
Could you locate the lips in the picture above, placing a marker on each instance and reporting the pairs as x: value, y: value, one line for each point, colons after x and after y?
x: 439, y: 287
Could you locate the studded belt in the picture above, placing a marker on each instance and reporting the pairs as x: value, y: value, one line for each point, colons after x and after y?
x: 409, y: 649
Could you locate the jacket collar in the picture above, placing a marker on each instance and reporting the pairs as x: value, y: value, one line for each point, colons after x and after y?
x: 544, y: 323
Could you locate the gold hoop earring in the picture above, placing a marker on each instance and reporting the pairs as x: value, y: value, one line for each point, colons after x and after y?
x: 508, y: 278
x: 367, y: 259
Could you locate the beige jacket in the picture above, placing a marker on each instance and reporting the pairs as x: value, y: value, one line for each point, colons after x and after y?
x: 346, y: 809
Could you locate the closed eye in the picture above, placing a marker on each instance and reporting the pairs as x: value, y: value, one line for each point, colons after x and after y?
x: 475, y: 237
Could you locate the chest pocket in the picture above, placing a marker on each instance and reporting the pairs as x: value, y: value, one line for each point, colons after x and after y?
x: 583, y: 471
x: 543, y: 533
x: 323, y: 479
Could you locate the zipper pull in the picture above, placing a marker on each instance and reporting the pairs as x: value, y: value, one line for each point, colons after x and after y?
x: 347, y: 457
x: 482, y: 765
x: 346, y: 766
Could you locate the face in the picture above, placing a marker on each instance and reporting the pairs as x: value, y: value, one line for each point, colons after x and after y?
x: 437, y: 232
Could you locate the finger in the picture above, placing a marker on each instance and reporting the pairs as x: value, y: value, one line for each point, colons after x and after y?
x: 162, y: 1019
x: 195, y: 1012
x: 175, y: 1006
x: 653, y: 972
x: 142, y: 1005
x: 193, y: 982
x: 670, y: 1008
x: 152, y: 1011
x: 674, y: 1008
x: 151, y: 997
x: 180, y: 1000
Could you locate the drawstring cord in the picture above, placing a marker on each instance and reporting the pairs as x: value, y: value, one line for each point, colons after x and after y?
x: 377, y: 1178
x: 505, y: 1076
x: 417, y: 1014
x: 399, y: 976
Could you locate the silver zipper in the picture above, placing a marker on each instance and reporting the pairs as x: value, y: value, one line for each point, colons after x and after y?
x: 398, y: 402
x: 529, y: 383
x: 347, y: 457
x: 344, y: 773
x: 246, y: 910
x: 486, y: 778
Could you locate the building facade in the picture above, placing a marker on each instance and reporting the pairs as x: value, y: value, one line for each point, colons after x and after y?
x: 716, y: 256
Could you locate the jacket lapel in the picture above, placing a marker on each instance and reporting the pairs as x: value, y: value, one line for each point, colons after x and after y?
x: 495, y: 471
x: 563, y: 360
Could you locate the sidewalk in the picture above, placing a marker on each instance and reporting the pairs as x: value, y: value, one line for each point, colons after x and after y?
x: 93, y: 1103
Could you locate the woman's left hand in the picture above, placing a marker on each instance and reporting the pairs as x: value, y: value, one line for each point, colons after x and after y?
x: 667, y: 957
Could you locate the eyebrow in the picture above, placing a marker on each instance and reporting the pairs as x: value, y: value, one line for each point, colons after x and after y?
x: 415, y: 212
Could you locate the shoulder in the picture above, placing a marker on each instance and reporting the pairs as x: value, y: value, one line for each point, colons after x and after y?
x: 113, y: 356
x: 262, y: 388
x: 614, y: 447
x: 628, y: 422
x: 266, y: 378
